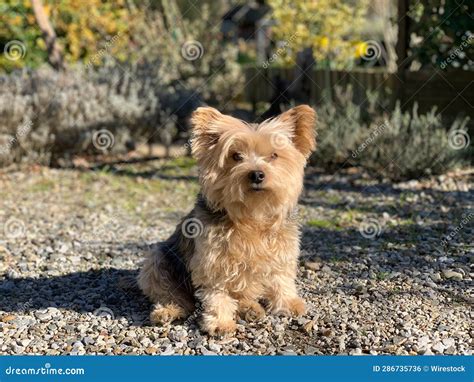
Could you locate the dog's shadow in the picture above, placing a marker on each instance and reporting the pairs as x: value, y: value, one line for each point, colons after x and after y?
x: 106, y: 292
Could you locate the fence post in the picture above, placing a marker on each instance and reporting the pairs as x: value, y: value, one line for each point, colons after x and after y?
x: 402, y: 47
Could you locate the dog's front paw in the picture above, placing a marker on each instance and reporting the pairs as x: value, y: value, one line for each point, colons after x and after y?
x: 216, y: 327
x: 291, y: 307
x: 251, y: 311
x: 297, y: 306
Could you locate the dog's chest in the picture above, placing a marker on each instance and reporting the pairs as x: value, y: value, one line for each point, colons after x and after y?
x: 254, y: 246
x: 239, y: 258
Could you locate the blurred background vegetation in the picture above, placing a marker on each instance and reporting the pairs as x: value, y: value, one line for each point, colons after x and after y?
x: 131, y: 72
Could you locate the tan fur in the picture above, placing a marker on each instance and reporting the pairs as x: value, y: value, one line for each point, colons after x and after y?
x: 168, y: 313
x: 250, y: 310
x: 249, y: 246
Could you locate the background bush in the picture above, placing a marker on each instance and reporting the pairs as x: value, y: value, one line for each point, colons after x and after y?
x: 395, y: 145
x: 411, y: 146
x: 48, y: 116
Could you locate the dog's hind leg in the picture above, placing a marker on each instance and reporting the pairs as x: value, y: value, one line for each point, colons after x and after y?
x: 159, y: 282
x: 161, y: 315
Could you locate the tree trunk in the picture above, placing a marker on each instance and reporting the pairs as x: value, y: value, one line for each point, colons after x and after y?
x: 55, y: 57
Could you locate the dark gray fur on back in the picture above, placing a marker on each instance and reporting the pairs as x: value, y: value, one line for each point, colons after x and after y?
x: 178, y: 249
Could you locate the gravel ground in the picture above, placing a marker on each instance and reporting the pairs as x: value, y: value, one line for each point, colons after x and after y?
x: 386, y: 268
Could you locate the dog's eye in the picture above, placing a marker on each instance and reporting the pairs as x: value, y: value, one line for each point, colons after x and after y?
x: 274, y: 156
x: 237, y: 157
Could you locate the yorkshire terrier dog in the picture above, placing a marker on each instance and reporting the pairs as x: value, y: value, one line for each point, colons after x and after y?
x: 239, y: 246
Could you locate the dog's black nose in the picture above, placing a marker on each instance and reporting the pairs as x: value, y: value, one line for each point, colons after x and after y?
x: 256, y: 176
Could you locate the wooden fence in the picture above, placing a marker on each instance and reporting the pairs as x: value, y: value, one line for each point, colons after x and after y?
x: 452, y: 92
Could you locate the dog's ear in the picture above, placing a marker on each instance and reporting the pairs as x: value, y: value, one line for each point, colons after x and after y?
x: 302, y: 121
x: 208, y: 125
x: 205, y: 132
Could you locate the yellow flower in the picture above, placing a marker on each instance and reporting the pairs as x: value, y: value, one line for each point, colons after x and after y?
x: 331, y: 27
x: 324, y: 42
x: 360, y: 49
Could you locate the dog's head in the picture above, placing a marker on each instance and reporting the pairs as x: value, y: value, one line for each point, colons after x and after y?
x: 253, y: 170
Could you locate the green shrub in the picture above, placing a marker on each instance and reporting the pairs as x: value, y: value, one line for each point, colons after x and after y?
x: 340, y: 129
x: 396, y: 145
x: 411, y: 145
x: 48, y: 116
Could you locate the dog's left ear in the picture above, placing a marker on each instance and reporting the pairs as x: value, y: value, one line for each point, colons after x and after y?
x: 302, y: 120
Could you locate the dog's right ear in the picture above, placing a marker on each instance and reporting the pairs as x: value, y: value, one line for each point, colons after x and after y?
x: 208, y: 125
x: 205, y: 132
